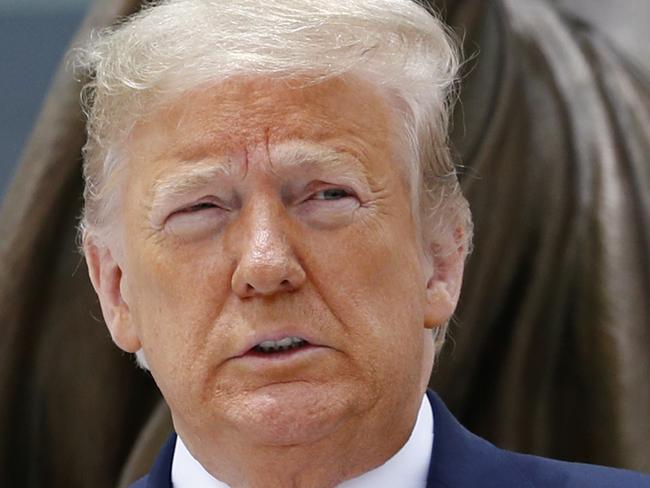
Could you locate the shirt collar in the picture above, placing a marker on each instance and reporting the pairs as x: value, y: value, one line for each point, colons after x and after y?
x: 408, y: 467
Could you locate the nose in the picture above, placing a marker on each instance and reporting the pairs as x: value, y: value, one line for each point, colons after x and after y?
x: 267, y: 264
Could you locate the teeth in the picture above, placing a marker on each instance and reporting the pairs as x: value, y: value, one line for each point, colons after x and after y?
x: 283, y: 344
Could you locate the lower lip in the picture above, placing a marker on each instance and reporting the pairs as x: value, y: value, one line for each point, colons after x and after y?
x: 302, y: 352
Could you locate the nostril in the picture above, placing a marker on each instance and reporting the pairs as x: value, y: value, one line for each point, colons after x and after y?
x: 287, y: 286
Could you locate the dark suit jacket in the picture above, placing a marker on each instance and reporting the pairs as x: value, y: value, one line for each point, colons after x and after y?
x: 462, y: 460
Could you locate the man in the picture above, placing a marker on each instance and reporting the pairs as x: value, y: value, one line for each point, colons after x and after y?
x: 273, y: 225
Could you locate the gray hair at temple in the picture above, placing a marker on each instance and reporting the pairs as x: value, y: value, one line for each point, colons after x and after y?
x: 173, y: 46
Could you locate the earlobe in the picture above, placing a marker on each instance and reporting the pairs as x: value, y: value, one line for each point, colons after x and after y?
x: 440, y: 306
x: 108, y: 280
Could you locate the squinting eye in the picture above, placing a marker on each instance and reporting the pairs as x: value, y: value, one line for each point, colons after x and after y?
x: 198, y: 220
x: 201, y: 209
x: 200, y: 206
x: 331, y: 194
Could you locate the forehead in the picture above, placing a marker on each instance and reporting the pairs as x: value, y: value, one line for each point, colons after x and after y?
x: 233, y: 116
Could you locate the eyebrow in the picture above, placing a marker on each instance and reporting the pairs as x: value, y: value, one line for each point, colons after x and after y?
x: 315, y: 158
x: 287, y: 156
x: 189, y: 178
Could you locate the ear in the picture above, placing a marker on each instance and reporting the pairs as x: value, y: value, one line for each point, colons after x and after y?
x: 445, y: 279
x: 108, y: 281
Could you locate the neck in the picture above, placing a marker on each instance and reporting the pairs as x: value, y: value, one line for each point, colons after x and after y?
x: 356, y: 446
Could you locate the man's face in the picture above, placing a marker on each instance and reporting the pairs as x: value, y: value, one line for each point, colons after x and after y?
x: 255, y: 212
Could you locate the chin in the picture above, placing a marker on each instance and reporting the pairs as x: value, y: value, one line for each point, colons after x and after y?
x: 291, y: 413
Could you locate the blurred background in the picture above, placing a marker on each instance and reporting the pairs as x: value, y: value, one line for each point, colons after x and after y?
x: 33, y: 38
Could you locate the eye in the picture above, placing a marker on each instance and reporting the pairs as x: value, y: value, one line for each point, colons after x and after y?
x: 197, y: 207
x: 328, y: 207
x: 205, y: 205
x: 331, y: 194
x: 198, y: 219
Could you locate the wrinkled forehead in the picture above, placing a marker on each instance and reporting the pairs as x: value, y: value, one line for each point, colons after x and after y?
x: 241, y: 113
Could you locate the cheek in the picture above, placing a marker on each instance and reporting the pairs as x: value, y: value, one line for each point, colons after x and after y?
x: 179, y: 297
x: 370, y: 281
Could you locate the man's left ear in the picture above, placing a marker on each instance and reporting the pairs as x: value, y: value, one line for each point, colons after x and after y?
x: 444, y: 282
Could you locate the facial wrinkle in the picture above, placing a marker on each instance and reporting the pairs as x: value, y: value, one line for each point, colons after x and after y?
x: 311, y: 279
x: 267, y: 131
x: 245, y: 162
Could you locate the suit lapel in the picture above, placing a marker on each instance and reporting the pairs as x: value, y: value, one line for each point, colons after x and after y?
x: 160, y: 475
x: 459, y: 459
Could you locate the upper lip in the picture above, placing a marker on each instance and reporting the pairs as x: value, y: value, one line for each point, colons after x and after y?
x: 276, y: 336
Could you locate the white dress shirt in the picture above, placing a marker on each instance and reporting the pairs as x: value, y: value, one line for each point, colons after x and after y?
x: 408, y: 468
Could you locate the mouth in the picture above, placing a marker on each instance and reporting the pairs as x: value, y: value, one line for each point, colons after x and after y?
x: 285, y: 344
x: 280, y: 346
x: 280, y: 351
